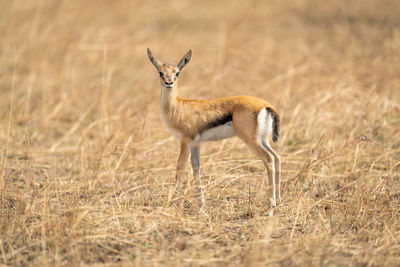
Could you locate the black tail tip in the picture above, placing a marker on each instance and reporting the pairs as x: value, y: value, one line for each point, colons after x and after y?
x: 275, y: 124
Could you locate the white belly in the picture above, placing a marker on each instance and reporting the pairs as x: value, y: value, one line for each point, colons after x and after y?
x: 218, y: 133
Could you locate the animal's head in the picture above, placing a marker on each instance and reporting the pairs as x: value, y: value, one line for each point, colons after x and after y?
x: 169, y: 72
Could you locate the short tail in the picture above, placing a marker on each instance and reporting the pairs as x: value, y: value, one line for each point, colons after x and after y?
x: 275, y: 124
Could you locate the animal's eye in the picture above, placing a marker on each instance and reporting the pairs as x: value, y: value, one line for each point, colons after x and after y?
x: 177, y: 74
x: 161, y: 74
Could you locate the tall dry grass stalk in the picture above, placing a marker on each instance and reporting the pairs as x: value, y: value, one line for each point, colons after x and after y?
x: 86, y: 164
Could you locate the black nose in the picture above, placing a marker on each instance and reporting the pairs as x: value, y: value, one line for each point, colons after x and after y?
x: 167, y: 83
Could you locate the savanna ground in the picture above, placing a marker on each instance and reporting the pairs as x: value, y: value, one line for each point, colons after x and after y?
x: 86, y: 164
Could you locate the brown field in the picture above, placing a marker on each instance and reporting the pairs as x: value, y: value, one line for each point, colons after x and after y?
x: 86, y: 163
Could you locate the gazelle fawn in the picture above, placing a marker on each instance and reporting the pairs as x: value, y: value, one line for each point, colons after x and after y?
x: 193, y: 122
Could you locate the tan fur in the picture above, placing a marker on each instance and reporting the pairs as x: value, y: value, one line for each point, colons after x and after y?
x: 187, y: 115
x: 185, y: 118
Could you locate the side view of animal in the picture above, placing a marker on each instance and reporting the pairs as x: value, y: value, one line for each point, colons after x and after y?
x: 193, y: 122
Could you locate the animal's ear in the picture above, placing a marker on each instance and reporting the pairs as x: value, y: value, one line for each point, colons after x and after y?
x: 153, y: 60
x: 185, y: 60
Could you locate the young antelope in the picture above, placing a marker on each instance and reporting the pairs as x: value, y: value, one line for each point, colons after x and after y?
x: 193, y: 122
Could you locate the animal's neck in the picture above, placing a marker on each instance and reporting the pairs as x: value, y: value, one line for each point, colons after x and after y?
x: 168, y: 97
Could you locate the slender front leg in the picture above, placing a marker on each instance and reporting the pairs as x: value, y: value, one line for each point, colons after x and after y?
x: 196, y: 168
x: 180, y: 166
x: 183, y: 157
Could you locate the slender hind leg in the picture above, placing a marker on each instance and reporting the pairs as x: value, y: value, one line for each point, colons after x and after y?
x: 196, y: 169
x: 269, y: 163
x: 246, y: 127
x: 277, y: 160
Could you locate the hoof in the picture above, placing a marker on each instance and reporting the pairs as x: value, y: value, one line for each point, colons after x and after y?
x: 271, y: 212
x: 272, y: 202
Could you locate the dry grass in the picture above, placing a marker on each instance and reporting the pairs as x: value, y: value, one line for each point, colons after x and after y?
x: 86, y: 163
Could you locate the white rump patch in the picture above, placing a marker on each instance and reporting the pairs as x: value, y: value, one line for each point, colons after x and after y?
x: 264, y: 128
x: 218, y: 133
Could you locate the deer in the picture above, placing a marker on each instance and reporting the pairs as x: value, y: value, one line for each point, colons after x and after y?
x: 195, y: 121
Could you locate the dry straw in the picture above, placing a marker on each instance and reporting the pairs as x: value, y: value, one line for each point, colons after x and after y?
x: 86, y: 164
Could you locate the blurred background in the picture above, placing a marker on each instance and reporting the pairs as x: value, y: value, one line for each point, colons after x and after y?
x: 62, y: 57
x: 86, y: 163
